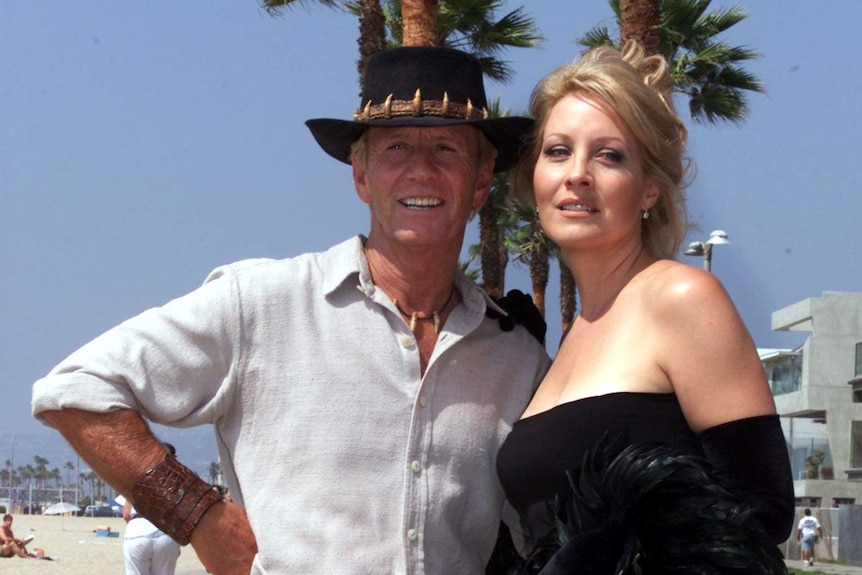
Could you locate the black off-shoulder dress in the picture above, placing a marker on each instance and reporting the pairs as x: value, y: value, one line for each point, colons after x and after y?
x: 619, y: 483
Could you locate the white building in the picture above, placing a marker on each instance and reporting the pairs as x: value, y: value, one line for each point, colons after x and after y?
x: 818, y: 393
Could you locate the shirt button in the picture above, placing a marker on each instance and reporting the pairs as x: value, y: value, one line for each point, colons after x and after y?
x: 415, y: 467
x: 412, y: 535
x: 408, y: 341
x: 422, y: 401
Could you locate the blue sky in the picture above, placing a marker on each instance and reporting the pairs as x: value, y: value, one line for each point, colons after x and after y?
x: 144, y: 143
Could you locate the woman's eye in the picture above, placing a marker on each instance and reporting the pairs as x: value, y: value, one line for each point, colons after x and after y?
x: 556, y: 151
x: 611, y: 155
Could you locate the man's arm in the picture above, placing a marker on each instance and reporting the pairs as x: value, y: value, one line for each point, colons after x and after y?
x: 120, y: 448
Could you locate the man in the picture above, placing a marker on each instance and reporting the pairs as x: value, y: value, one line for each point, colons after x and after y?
x: 11, y: 546
x: 359, y: 396
x: 147, y: 550
x: 808, y: 533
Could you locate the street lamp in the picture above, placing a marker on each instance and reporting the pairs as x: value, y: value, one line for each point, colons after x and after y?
x: 705, y: 248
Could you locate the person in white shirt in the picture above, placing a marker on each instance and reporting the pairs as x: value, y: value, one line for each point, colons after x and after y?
x: 807, y: 534
x: 147, y: 550
x: 359, y: 395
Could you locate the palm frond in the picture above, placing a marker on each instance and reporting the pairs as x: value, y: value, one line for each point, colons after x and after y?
x: 598, y: 36
x: 469, y: 25
x: 703, y: 68
x: 275, y: 7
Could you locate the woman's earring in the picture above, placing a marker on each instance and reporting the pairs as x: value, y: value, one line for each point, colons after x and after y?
x: 646, y: 214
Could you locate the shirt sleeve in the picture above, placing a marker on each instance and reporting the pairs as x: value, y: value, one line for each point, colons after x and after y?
x: 175, y: 364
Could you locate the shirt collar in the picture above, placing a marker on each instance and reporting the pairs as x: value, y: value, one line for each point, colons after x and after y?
x: 346, y: 265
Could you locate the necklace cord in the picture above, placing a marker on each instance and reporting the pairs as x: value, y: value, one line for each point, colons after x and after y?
x: 434, y: 315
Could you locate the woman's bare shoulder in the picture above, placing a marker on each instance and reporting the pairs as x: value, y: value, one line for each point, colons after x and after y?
x: 674, y: 287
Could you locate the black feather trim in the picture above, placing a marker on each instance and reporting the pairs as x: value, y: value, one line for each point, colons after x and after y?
x: 648, y: 510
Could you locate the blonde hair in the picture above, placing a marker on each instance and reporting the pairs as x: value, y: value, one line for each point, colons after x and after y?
x: 638, y: 88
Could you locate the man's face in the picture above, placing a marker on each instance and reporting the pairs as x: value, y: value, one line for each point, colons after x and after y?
x: 422, y: 183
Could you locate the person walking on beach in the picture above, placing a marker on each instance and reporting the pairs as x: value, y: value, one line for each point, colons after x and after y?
x: 808, y: 533
x: 147, y: 550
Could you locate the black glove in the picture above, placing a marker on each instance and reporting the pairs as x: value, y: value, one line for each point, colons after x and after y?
x: 750, y: 456
x: 522, y: 310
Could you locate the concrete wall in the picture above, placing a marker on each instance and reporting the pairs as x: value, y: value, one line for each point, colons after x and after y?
x: 850, y: 528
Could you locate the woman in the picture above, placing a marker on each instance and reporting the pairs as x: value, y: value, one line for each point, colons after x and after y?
x: 654, y: 430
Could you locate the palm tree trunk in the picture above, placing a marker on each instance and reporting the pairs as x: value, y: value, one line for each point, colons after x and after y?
x: 568, y: 305
x: 641, y: 20
x: 489, y: 250
x: 420, y: 22
x: 539, y: 271
x: 372, y: 35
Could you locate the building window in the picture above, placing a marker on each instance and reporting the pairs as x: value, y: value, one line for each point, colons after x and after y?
x: 843, y: 501
x: 856, y: 445
x: 811, y: 502
x: 784, y: 373
x: 858, y: 371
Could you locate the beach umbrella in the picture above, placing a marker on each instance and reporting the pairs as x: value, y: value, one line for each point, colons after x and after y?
x: 61, y: 508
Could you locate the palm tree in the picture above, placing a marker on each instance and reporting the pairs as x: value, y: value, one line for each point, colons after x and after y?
x: 87, y: 478
x: 69, y: 466
x: 497, y: 217
x: 470, y: 26
x: 491, y: 255
x: 640, y: 20
x: 525, y: 239
x: 26, y: 473
x: 372, y: 23
x: 274, y: 6
x: 567, y: 294
x: 419, y: 21
x: 372, y: 34
x: 706, y: 70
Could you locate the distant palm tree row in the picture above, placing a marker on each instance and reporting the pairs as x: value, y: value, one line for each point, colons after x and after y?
x: 38, y: 477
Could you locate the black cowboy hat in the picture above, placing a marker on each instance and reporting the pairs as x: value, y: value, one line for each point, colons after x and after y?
x: 423, y: 86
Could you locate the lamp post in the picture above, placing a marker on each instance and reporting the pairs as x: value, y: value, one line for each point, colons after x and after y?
x: 705, y: 248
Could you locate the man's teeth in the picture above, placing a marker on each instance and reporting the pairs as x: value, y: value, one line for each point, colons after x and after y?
x: 421, y: 202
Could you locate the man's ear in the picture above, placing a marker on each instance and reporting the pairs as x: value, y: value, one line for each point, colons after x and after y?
x: 360, y: 180
x: 484, y: 179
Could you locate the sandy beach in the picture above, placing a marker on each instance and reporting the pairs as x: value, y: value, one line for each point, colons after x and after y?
x: 78, y: 551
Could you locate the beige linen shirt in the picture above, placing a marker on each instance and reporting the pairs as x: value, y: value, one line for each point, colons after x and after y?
x: 346, y: 457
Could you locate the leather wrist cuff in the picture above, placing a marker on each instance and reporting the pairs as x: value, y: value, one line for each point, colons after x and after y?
x: 174, y: 498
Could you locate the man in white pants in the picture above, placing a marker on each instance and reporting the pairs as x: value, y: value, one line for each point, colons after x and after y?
x: 146, y: 549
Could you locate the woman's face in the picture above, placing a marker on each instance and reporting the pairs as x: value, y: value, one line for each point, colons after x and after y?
x: 590, y: 187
